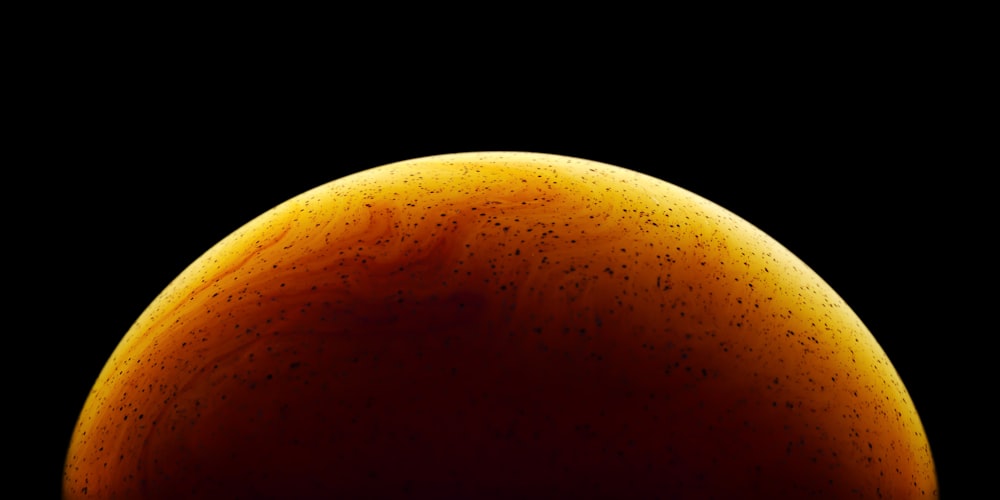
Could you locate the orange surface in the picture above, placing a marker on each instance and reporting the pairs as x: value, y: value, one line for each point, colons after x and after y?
x: 499, y: 324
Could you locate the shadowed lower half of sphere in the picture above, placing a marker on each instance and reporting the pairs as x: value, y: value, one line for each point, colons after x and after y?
x: 498, y: 324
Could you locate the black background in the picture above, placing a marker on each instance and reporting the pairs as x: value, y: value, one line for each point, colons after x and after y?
x: 160, y: 152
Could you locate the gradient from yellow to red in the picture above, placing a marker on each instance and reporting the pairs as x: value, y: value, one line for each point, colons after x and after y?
x: 499, y: 324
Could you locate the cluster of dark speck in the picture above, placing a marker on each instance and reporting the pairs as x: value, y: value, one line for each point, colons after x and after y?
x: 532, y: 273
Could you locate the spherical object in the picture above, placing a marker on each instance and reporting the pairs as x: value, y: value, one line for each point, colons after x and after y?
x: 498, y: 324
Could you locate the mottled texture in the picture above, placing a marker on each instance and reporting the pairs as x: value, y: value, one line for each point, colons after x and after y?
x: 499, y: 324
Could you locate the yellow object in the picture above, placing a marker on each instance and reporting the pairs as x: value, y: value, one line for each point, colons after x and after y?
x: 499, y: 323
